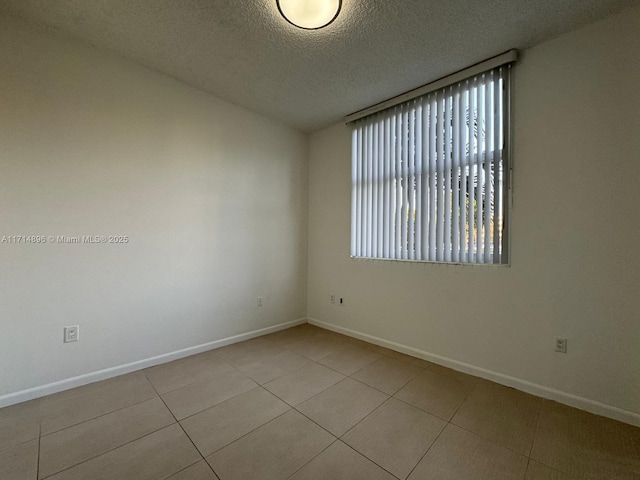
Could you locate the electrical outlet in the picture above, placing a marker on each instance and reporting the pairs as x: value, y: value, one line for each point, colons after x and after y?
x: 561, y: 345
x: 341, y: 301
x: 72, y: 333
x: 259, y: 301
x: 332, y: 298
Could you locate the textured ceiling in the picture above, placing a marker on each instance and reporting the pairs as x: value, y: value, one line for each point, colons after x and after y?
x: 244, y: 52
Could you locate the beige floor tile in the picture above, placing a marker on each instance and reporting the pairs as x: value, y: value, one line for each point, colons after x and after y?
x: 273, y: 451
x: 19, y: 462
x: 463, y: 377
x: 418, y: 362
x: 68, y: 447
x: 275, y: 365
x: 19, y: 423
x: 317, y: 344
x: 349, y: 359
x: 501, y: 414
x: 340, y: 462
x: 218, y: 426
x: 586, y: 446
x: 356, y: 342
x: 78, y: 405
x: 381, y: 350
x: 340, y: 337
x: 155, y: 456
x: 180, y: 373
x: 197, y: 397
x: 197, y: 471
x: 296, y: 387
x: 120, y: 429
x: 458, y: 454
x: 290, y: 336
x: 395, y: 436
x: 387, y: 375
x: 343, y: 405
x: 439, y: 395
x: 537, y: 471
x: 248, y: 351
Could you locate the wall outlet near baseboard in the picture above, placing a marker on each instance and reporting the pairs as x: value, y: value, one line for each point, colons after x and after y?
x: 561, y: 345
x: 332, y: 298
x: 259, y: 302
x: 71, y: 333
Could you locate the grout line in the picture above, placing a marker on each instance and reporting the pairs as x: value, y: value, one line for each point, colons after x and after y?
x: 291, y: 408
x: 526, y: 470
x: 313, y: 396
x: 565, y: 475
x: 99, y: 416
x: 466, y: 397
x: 372, y: 388
x: 17, y: 444
x: 382, y: 391
x: 313, y: 458
x: 489, y: 440
x: 101, y: 453
x: 278, y: 397
x: 423, y: 411
x: 182, y: 469
x: 428, y: 449
x: 214, y: 406
x: 316, y: 423
x: 111, y: 449
x: 535, y: 432
x: 39, y: 445
x: 113, y: 379
x: 331, y: 368
x: 450, y: 421
x: 364, y: 456
x: 203, y: 380
x: 108, y: 451
x: 211, y: 468
x: 331, y: 433
x: 183, y: 431
x: 177, y: 422
x: 365, y: 417
x: 248, y: 433
x: 295, y: 370
x: 367, y: 366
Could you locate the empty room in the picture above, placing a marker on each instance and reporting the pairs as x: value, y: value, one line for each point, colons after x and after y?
x: 319, y: 239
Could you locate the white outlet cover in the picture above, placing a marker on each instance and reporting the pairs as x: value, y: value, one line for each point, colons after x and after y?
x: 71, y: 333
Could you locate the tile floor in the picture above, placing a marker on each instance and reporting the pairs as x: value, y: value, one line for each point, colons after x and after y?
x: 306, y: 403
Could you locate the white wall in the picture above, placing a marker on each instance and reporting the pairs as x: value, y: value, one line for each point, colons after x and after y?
x: 575, y: 267
x: 213, y: 198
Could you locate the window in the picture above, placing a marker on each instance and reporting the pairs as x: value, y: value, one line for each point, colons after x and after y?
x: 430, y: 175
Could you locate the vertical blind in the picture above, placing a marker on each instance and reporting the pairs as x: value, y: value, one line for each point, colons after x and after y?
x: 429, y: 176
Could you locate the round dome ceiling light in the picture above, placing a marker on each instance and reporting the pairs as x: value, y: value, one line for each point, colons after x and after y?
x: 309, y: 14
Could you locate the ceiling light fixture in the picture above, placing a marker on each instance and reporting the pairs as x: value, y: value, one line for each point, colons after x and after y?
x: 309, y: 14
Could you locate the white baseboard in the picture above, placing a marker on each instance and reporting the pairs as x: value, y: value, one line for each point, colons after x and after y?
x: 582, y: 403
x: 66, y: 384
